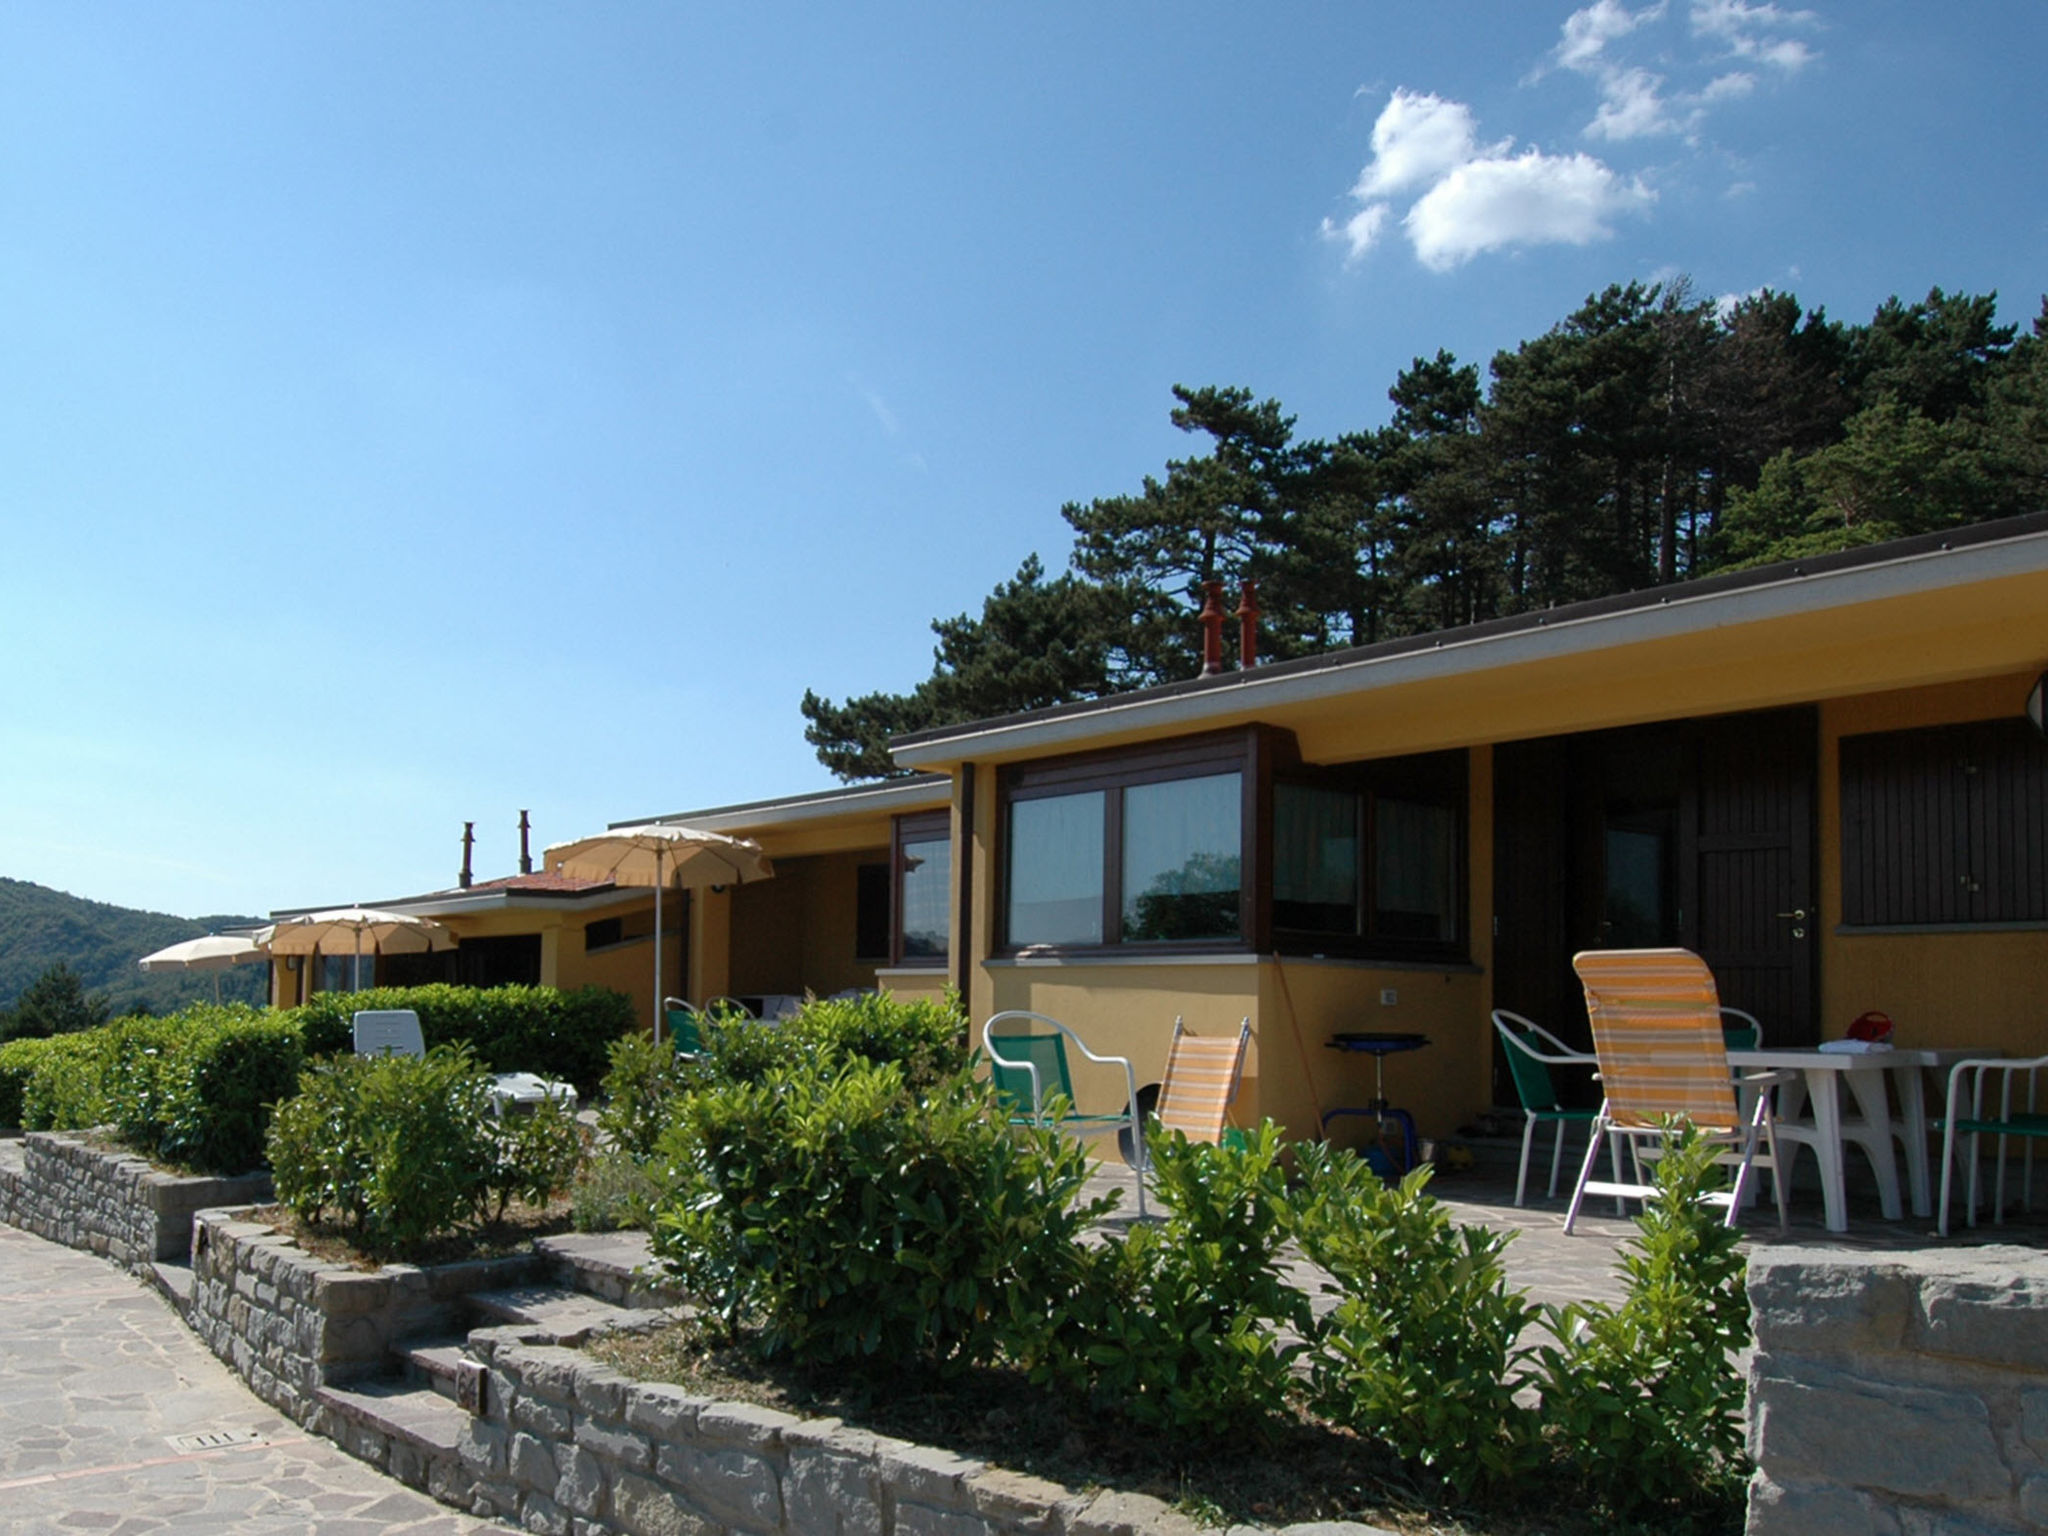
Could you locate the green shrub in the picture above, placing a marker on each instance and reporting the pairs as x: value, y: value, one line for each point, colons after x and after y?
x: 612, y: 1190
x: 18, y: 1060
x: 399, y: 1148
x: 1644, y: 1399
x: 534, y: 1156
x: 136, y: 1069
x: 926, y: 1039
x: 508, y: 1029
x: 65, y: 1090
x: 639, y: 1093
x: 1422, y: 1350
x: 223, y: 1081
x: 1177, y: 1325
x: 855, y: 1221
x: 403, y: 1149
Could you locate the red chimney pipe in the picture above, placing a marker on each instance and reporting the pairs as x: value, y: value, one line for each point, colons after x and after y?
x: 468, y: 842
x: 525, y: 854
x: 1248, y: 625
x: 1212, y: 628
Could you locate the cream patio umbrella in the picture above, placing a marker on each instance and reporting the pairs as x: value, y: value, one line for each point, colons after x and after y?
x: 389, y: 933
x: 660, y: 856
x: 214, y: 952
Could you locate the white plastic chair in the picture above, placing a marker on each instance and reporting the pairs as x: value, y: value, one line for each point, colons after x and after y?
x: 1966, y: 1078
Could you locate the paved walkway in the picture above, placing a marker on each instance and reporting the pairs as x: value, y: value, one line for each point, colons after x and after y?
x: 99, y: 1379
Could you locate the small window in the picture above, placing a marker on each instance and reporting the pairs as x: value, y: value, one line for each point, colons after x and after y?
x: 604, y: 933
x: 924, y: 889
x: 1056, y: 869
x: 871, y: 913
x: 1182, y: 858
x: 1315, y: 859
x: 1369, y: 859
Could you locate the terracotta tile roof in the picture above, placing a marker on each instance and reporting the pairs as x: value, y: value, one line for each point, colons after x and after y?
x: 553, y: 884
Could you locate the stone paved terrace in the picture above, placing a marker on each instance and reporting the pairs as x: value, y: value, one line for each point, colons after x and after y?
x: 1554, y: 1267
x: 100, y: 1385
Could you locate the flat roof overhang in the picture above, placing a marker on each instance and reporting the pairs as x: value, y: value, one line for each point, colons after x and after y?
x: 1971, y: 603
x: 826, y: 821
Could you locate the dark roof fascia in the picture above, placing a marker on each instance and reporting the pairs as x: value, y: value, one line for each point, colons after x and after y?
x: 1786, y: 572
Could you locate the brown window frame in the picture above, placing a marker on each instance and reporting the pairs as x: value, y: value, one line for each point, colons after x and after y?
x: 916, y: 827
x: 1244, y: 752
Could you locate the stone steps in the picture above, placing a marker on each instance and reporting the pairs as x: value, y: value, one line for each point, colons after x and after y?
x: 553, y: 1314
x: 174, y: 1282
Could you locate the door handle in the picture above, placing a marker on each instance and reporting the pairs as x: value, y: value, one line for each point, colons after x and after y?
x: 1798, y: 917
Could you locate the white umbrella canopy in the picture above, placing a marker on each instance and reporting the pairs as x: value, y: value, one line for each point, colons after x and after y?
x: 391, y: 933
x: 214, y: 952
x: 660, y: 856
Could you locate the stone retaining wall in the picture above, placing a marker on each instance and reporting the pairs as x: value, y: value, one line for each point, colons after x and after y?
x: 110, y: 1202
x: 289, y: 1323
x: 565, y: 1445
x: 1899, y: 1393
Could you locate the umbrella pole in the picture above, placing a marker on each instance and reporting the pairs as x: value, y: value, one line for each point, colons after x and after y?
x: 656, y: 1011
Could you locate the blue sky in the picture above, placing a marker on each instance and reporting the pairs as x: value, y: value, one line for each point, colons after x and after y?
x: 413, y: 414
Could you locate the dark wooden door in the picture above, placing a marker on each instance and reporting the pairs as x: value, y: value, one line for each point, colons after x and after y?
x: 1697, y: 833
x: 1749, y: 876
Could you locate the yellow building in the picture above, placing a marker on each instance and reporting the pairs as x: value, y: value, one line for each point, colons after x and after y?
x: 1820, y: 776
x: 530, y: 929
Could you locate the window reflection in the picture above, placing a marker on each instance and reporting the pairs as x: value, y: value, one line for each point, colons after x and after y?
x: 1182, y: 859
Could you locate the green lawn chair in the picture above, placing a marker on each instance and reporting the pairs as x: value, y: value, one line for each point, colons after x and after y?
x: 1529, y: 1063
x: 1027, y: 1054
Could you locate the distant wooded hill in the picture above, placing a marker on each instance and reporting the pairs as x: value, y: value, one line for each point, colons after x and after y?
x: 39, y: 927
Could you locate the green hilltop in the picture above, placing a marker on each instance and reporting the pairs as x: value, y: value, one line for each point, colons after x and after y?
x: 102, y: 942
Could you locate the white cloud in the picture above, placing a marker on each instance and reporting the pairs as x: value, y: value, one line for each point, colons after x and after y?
x: 1527, y: 199
x: 1588, y: 32
x: 1631, y: 107
x: 1754, y: 31
x: 1728, y: 87
x: 1360, y: 232
x: 1415, y: 140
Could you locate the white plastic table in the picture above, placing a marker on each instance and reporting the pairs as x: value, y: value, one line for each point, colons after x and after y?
x: 1823, y: 1074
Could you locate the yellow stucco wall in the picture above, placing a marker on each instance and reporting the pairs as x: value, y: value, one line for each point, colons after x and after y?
x: 1956, y: 989
x: 796, y: 932
x: 913, y: 985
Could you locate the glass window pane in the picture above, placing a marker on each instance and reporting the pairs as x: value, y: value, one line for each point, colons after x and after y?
x: 1056, y: 869
x: 1415, y: 871
x: 1315, y: 859
x: 927, y: 874
x: 1181, y: 858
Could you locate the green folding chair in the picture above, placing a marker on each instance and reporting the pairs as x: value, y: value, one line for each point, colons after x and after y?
x: 1529, y: 1065
x: 1027, y: 1055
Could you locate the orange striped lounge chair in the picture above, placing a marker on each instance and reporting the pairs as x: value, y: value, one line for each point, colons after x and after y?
x: 1656, y: 1018
x: 1202, y: 1073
